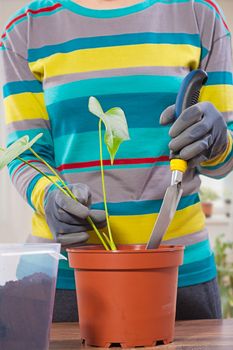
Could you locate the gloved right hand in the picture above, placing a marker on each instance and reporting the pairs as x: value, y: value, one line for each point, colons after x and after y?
x: 67, y: 219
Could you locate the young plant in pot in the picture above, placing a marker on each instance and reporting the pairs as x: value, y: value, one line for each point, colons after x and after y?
x: 119, y: 301
x: 126, y: 293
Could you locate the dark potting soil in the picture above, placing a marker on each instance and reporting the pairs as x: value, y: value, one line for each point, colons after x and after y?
x: 26, y: 312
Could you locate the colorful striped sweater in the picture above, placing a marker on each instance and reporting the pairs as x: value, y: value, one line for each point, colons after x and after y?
x: 56, y: 53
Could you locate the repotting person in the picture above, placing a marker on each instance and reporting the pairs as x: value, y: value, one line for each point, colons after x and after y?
x: 132, y: 54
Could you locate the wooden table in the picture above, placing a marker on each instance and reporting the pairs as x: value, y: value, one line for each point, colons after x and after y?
x: 189, y: 335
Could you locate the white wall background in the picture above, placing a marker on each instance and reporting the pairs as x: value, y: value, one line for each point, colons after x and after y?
x: 15, y: 214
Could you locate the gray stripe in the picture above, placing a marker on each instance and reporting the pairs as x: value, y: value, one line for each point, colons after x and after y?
x: 28, y: 125
x: 228, y: 116
x: 164, y: 71
x: 13, y: 68
x: 220, y: 57
x: 26, y: 175
x: 22, y: 182
x: 221, y: 172
x: 159, y: 18
x: 16, y: 39
x: 133, y: 184
x: 189, y: 239
x: 210, y: 27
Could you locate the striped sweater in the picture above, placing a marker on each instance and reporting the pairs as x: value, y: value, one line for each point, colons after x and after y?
x: 56, y: 53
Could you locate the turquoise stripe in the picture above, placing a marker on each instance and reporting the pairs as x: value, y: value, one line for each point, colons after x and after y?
x: 72, y: 116
x: 114, y: 40
x: 84, y: 147
x: 204, y: 52
x: 114, y: 85
x: 12, y: 166
x: 230, y: 126
x: 43, y: 147
x: 2, y: 48
x: 198, y: 251
x: 73, y: 6
x: 65, y: 279
x: 189, y: 274
x: 30, y: 188
x: 145, y: 207
x: 122, y: 167
x: 45, y: 140
x: 197, y: 272
x: 216, y: 78
x: 19, y: 87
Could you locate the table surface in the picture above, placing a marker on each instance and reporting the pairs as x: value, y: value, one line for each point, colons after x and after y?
x: 189, y: 335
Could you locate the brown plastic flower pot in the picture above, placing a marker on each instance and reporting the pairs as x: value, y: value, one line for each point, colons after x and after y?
x: 126, y: 297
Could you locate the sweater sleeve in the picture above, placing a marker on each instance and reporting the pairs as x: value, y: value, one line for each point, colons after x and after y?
x: 26, y: 114
x: 216, y: 60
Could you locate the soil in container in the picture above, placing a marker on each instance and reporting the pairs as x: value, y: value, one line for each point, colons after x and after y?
x: 26, y: 308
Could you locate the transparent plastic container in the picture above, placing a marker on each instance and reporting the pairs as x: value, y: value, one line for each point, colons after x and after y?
x: 28, y: 274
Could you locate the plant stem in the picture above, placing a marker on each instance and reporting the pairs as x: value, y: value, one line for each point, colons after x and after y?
x: 107, y: 239
x: 54, y: 172
x: 97, y: 232
x: 113, y: 247
x: 41, y: 172
x: 67, y: 194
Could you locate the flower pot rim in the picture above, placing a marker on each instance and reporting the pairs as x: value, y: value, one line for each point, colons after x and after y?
x: 93, y: 248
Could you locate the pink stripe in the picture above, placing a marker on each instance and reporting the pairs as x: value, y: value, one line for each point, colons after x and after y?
x: 22, y: 165
x: 45, y: 9
x: 116, y: 162
x: 216, y: 8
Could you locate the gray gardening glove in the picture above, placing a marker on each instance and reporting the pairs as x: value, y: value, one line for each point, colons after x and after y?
x: 199, y: 134
x: 67, y: 218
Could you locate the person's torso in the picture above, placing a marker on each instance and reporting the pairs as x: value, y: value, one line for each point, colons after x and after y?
x: 134, y: 58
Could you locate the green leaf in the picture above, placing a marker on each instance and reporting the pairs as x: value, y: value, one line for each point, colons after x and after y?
x: 115, y: 124
x: 15, y: 149
x: 95, y: 107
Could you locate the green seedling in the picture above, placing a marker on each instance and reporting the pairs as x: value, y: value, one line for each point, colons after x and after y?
x: 116, y: 132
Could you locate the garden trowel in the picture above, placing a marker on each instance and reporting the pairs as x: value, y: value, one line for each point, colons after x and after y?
x: 188, y: 95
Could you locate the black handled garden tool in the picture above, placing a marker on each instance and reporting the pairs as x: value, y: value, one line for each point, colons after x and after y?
x: 188, y: 95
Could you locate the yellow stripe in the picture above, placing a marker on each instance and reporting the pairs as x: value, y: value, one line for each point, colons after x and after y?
x: 137, y: 229
x: 116, y: 57
x: 220, y: 95
x: 37, y: 196
x: 220, y: 159
x: 25, y: 106
x: 40, y: 227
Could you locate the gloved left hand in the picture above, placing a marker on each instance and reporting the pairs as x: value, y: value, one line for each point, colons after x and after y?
x: 67, y: 219
x: 199, y: 133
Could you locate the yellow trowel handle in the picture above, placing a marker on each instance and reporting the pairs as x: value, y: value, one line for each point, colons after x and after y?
x: 178, y: 164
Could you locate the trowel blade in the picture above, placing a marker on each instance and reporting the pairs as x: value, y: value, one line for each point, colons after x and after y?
x: 166, y: 214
